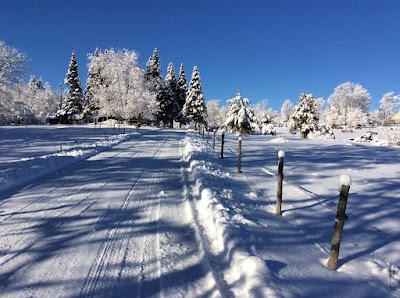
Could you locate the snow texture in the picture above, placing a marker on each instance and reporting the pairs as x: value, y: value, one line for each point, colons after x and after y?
x: 160, y: 214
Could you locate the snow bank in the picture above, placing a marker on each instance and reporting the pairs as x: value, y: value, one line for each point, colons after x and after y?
x: 246, y: 274
x: 28, y: 169
x: 370, y: 137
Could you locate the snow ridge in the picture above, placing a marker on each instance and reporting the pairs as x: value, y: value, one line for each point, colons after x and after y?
x: 246, y: 274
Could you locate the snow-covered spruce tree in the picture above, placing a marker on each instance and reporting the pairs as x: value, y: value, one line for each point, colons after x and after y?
x: 93, y: 83
x: 306, y: 116
x: 240, y: 117
x: 172, y: 84
x: 267, y: 128
x: 195, y: 110
x: 181, y: 93
x: 71, y: 108
x: 166, y: 103
x: 157, y: 85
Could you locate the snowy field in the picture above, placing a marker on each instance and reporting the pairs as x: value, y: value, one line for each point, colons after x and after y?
x: 158, y: 213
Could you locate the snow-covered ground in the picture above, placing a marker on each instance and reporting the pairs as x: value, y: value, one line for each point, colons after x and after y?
x: 158, y: 213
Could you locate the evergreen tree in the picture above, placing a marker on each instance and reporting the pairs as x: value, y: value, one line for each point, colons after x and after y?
x: 158, y: 86
x: 165, y: 100
x: 181, y: 94
x: 153, y: 69
x: 306, y: 116
x: 195, y: 109
x: 240, y: 117
x: 35, y: 84
x: 93, y: 83
x: 170, y: 81
x: 74, y: 100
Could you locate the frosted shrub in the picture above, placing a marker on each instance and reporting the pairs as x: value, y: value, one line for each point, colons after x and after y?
x: 323, y: 132
x: 268, y: 129
x: 393, y: 136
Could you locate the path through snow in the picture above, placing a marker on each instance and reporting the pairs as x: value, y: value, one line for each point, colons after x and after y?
x: 115, y: 225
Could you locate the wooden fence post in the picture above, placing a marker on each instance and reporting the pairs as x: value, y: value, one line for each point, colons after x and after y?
x: 345, y: 182
x: 222, y: 144
x: 278, y: 210
x: 239, y: 156
x: 215, y: 133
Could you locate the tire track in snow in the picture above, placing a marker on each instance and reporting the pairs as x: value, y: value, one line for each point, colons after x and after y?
x: 11, y: 263
x: 100, y: 273
x: 53, y: 190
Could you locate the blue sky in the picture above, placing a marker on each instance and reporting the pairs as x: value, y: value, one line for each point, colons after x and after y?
x: 266, y: 48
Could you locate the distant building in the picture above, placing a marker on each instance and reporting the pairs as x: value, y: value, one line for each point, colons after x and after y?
x: 397, y: 117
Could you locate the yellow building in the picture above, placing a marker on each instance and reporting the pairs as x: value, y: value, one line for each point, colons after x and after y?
x: 397, y: 117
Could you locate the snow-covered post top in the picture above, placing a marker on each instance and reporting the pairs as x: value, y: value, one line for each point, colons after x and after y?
x: 239, y: 170
x: 214, y: 137
x: 222, y: 143
x: 345, y: 180
x: 278, y: 210
x: 344, y: 187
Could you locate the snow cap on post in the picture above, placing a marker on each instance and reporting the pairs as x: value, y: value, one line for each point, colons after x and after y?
x: 281, y: 154
x: 344, y: 180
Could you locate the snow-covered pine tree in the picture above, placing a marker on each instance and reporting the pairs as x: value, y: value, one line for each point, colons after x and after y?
x: 153, y: 69
x: 194, y: 109
x: 93, y: 84
x: 172, y: 84
x: 240, y: 117
x: 157, y: 85
x: 181, y: 94
x: 267, y: 128
x: 35, y: 84
x: 72, y: 106
x: 306, y: 116
x: 165, y: 100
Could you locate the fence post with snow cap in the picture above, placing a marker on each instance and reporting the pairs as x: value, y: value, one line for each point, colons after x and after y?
x: 278, y: 210
x: 222, y: 144
x: 215, y: 133
x: 344, y: 187
x: 239, y: 170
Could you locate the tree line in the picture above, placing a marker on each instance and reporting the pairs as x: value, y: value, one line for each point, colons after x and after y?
x: 117, y: 87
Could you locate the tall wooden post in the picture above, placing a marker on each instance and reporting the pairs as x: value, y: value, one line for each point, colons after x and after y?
x: 222, y: 144
x: 345, y: 182
x: 239, y: 170
x: 278, y: 210
x: 215, y: 133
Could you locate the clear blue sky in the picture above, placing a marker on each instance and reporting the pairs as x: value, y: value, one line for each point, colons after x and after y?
x: 267, y: 48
